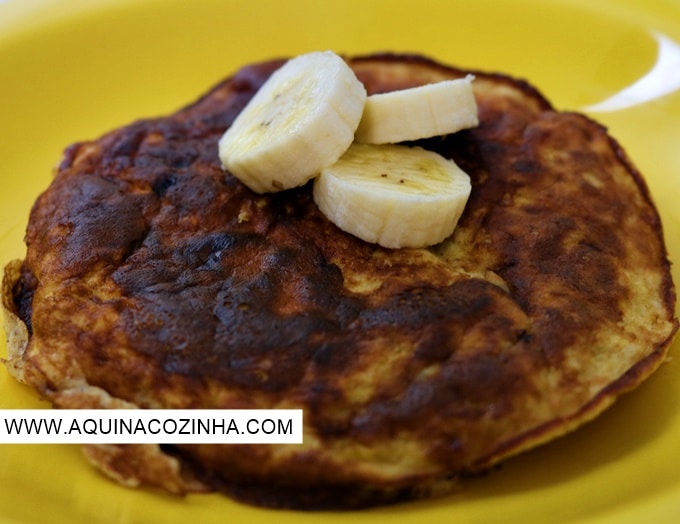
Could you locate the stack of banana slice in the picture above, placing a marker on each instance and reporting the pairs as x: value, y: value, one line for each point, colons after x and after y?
x: 313, y: 120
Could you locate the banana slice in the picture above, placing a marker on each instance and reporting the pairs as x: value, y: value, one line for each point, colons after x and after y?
x: 393, y: 195
x: 299, y: 122
x: 419, y: 112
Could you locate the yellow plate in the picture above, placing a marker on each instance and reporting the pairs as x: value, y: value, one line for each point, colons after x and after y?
x: 70, y: 70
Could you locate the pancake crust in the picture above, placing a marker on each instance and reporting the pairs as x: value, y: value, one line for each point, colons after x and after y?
x: 155, y: 279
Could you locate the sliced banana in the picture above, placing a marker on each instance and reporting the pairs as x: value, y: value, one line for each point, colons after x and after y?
x: 393, y: 195
x: 419, y: 112
x: 299, y: 122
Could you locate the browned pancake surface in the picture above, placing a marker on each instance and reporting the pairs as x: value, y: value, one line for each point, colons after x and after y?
x: 155, y: 279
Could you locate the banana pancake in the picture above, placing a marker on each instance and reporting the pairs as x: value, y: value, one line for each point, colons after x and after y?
x: 154, y: 279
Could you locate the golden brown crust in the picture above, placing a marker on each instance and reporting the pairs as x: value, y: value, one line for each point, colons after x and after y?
x: 157, y: 278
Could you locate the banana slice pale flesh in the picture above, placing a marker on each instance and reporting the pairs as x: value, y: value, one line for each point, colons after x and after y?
x: 393, y: 195
x: 313, y: 118
x: 299, y: 122
x: 419, y: 112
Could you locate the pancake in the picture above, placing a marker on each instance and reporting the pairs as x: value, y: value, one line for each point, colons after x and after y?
x: 154, y: 279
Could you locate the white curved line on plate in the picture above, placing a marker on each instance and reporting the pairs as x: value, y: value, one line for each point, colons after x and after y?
x: 662, y: 79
